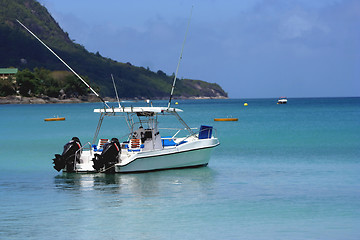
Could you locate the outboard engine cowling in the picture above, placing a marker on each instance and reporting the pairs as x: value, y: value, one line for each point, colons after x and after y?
x: 108, y: 157
x: 67, y: 158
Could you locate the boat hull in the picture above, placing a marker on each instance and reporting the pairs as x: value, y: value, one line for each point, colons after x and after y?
x: 184, y: 159
x: 192, y: 154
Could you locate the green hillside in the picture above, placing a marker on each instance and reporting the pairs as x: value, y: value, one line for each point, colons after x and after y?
x: 19, y: 49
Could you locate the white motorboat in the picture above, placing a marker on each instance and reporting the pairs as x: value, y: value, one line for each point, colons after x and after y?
x: 143, y: 149
x: 282, y: 100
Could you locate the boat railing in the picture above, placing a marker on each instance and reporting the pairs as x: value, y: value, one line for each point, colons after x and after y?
x: 204, y: 133
x: 212, y: 134
x: 178, y: 130
x: 87, y: 146
x: 77, y: 154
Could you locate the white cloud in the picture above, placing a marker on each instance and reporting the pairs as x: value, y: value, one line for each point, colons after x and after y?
x: 295, y: 27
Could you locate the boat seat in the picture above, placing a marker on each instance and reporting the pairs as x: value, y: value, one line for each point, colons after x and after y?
x: 102, y: 142
x: 168, y: 141
x: 135, y: 145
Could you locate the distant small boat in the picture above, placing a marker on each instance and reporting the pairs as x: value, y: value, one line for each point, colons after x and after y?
x: 225, y: 119
x: 54, y: 119
x: 282, y: 100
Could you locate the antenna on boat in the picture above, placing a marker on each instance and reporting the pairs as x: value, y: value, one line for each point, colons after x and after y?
x: 64, y: 63
x: 117, y: 97
x: 177, y: 68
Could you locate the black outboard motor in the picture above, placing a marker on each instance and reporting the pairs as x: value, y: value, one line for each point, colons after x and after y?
x: 67, y: 158
x: 108, y: 157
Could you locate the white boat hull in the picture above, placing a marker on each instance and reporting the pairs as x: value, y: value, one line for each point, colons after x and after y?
x: 174, y: 158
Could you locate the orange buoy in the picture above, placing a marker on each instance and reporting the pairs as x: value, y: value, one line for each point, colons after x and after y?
x: 225, y: 119
x: 54, y: 119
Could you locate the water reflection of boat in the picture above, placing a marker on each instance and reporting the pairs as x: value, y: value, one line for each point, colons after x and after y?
x: 137, y: 184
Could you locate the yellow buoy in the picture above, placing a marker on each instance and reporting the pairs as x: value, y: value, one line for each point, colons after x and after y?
x: 245, y: 104
x: 176, y: 103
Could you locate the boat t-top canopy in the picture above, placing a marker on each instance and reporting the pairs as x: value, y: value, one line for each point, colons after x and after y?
x: 153, y: 110
x: 139, y: 111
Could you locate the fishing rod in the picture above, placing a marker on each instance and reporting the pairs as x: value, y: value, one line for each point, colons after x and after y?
x: 177, y: 68
x: 64, y: 63
x: 117, y: 97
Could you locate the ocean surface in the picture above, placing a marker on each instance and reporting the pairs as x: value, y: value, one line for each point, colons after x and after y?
x: 281, y: 172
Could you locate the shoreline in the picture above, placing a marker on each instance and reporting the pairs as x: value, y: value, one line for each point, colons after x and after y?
x: 42, y: 100
x: 82, y: 99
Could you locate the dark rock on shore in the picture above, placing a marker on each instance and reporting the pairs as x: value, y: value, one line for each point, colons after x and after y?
x: 44, y: 100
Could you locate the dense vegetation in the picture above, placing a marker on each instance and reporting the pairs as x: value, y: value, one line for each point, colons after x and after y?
x: 42, y: 82
x: 19, y: 49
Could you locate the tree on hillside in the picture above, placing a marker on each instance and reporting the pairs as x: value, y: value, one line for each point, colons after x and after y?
x: 26, y: 82
x: 7, y: 87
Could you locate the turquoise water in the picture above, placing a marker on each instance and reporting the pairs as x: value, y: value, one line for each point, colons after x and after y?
x: 281, y: 172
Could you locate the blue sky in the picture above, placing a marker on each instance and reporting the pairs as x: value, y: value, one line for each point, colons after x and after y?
x: 252, y: 48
